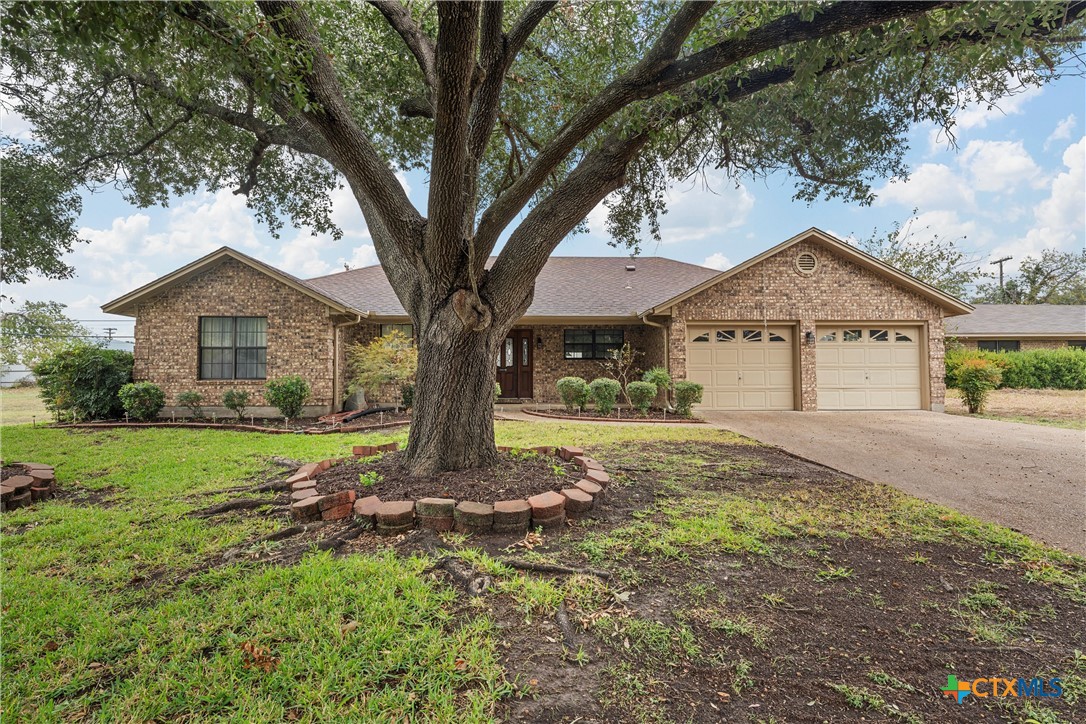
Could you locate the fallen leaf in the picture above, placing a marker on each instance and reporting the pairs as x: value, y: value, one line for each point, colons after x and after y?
x: 533, y: 682
x: 461, y: 664
x: 347, y: 628
x: 52, y: 646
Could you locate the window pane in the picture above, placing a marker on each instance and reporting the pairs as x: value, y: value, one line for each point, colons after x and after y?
x: 829, y: 337
x: 216, y: 331
x: 578, y: 336
x: 216, y: 364
x: 902, y: 337
x: 524, y: 351
x: 609, y: 337
x: 774, y: 337
x: 252, y: 332
x: 878, y: 335
x: 252, y: 363
x: 752, y: 335
x: 578, y: 351
x: 853, y: 335
x: 701, y: 338
x: 406, y: 329
x: 508, y: 351
x: 725, y: 335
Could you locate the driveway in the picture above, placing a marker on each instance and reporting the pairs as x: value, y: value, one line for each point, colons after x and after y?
x: 1030, y: 478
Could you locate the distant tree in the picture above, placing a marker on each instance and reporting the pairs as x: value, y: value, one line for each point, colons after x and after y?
x: 932, y: 259
x: 1055, y: 277
x: 36, y: 331
x: 38, y: 216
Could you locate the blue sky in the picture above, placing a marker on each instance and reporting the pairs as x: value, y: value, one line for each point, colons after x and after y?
x: 1013, y: 186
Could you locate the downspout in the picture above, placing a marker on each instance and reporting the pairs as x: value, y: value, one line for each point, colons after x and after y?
x: 336, y: 401
x: 667, y: 347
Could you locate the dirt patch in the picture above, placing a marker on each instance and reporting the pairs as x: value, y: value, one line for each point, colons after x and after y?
x: 1041, y: 405
x: 616, y: 415
x: 515, y: 476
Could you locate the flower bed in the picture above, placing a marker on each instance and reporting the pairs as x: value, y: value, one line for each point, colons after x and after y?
x: 381, y: 422
x: 325, y: 491
x: 617, y: 415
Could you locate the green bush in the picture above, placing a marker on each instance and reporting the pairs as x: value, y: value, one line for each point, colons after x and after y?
x: 659, y: 376
x: 687, y: 394
x: 142, y: 400
x: 641, y: 395
x: 574, y: 393
x: 976, y: 378
x: 605, y: 393
x: 288, y: 394
x: 81, y: 382
x: 407, y: 394
x: 236, y: 400
x: 1038, y: 369
x: 193, y: 401
x: 497, y: 390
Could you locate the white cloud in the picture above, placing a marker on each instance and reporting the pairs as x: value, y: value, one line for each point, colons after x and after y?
x: 930, y: 186
x: 301, y: 255
x: 122, y: 238
x: 362, y: 255
x: 1062, y: 131
x: 14, y: 125
x: 717, y: 261
x: 978, y: 114
x: 204, y: 223
x: 947, y: 225
x: 998, y: 165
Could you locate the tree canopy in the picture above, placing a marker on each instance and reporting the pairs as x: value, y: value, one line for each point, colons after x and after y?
x: 1054, y: 277
x: 37, y: 330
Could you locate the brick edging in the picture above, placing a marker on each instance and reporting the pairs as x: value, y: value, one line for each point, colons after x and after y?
x: 237, y: 427
x: 546, y: 510
x: 586, y: 418
x: 38, y: 482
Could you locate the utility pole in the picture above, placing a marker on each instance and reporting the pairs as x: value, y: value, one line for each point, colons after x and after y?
x: 1002, y: 291
x: 111, y: 330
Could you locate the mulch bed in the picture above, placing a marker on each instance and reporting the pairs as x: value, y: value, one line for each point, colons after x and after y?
x: 515, y: 476
x: 617, y: 415
x: 273, y: 426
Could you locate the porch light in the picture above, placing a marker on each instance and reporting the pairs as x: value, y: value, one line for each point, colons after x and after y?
x: 809, y: 337
x: 539, y: 342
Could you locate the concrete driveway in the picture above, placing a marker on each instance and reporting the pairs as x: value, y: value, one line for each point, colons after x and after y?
x: 1031, y: 478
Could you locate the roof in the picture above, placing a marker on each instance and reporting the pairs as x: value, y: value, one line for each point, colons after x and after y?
x: 1021, y: 320
x: 951, y: 305
x: 126, y: 304
x: 568, y: 286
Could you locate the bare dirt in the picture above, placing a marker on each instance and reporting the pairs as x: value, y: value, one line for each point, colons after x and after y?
x: 1039, y: 405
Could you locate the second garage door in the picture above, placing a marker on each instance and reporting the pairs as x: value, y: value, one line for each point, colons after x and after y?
x: 868, y: 368
x: 742, y: 367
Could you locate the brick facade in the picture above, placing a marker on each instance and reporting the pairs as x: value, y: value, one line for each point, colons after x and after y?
x: 299, y: 337
x: 838, y: 290
x: 551, y: 365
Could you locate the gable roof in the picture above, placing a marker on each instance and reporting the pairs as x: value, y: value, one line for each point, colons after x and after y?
x: 1021, y: 320
x: 568, y: 286
x: 126, y: 304
x: 951, y: 305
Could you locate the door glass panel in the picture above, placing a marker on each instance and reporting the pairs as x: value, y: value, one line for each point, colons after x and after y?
x: 725, y: 335
x: 774, y: 337
x: 524, y: 351
x: 829, y: 337
x: 508, y: 351
x: 701, y: 338
x: 878, y: 335
x: 752, y: 335
x: 853, y: 335
x: 902, y: 337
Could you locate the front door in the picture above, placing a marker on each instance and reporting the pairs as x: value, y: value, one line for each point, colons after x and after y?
x: 515, y: 365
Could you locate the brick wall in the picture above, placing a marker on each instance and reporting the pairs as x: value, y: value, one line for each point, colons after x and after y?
x: 363, y: 333
x: 1024, y: 344
x: 551, y: 365
x: 837, y: 290
x: 299, y: 336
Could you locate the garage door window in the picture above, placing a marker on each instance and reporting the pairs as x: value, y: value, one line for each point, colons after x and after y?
x: 725, y: 335
x: 900, y: 336
x: 752, y: 335
x: 774, y: 337
x: 829, y: 337
x: 701, y: 338
x: 879, y: 335
x: 853, y: 335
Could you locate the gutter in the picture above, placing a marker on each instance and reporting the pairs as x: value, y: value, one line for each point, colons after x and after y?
x: 667, y: 346
x: 335, y: 357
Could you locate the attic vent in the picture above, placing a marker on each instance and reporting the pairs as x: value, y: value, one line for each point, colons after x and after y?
x: 630, y: 267
x: 806, y: 263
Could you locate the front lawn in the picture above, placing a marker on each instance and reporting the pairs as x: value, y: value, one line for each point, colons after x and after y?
x: 19, y: 405
x: 721, y: 579
x: 1058, y: 408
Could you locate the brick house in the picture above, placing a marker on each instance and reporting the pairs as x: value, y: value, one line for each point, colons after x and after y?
x: 1020, y: 327
x: 810, y: 324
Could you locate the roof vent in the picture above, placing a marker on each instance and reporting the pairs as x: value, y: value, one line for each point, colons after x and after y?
x: 806, y: 263
x: 631, y: 267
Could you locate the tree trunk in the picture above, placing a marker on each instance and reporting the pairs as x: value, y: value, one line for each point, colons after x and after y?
x: 452, y: 426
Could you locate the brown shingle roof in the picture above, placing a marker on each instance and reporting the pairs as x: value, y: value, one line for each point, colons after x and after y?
x: 1020, y: 319
x: 568, y: 286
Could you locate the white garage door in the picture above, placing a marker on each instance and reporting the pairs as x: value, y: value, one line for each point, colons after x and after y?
x: 742, y: 367
x: 868, y: 368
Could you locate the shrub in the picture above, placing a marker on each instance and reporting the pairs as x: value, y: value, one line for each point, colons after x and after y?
x: 236, y: 400
x: 659, y: 376
x: 497, y: 391
x: 687, y: 394
x: 193, y: 401
x: 82, y: 381
x: 142, y: 400
x: 976, y: 379
x: 1061, y: 369
x: 574, y: 393
x: 621, y: 364
x: 389, y: 359
x: 604, y: 393
x: 407, y: 394
x: 288, y: 394
x: 641, y: 395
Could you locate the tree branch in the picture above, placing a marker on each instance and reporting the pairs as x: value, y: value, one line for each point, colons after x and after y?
x: 417, y: 41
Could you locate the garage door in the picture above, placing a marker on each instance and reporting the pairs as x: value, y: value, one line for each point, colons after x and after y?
x: 742, y: 367
x: 868, y: 368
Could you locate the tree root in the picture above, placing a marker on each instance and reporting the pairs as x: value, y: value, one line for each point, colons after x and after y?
x: 333, y: 543
x: 552, y: 568
x: 561, y: 617
x: 474, y: 584
x: 240, y: 504
x: 276, y: 485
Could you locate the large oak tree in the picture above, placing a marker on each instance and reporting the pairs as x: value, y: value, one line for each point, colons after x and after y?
x: 525, y: 114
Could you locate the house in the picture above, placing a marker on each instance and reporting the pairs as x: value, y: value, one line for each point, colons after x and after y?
x: 1015, y: 327
x: 811, y: 324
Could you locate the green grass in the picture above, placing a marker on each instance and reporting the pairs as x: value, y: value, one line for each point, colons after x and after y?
x: 858, y: 697
x: 21, y: 405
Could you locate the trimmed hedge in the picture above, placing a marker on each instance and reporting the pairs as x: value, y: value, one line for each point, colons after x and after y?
x: 142, y: 400
x: 1036, y: 369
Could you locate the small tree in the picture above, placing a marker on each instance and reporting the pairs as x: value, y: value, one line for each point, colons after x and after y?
x: 687, y: 394
x: 193, y: 401
x: 641, y: 395
x: 621, y: 364
x: 236, y: 400
x: 574, y: 393
x: 976, y: 380
x: 288, y: 394
x: 604, y: 393
x: 142, y: 400
x: 389, y: 359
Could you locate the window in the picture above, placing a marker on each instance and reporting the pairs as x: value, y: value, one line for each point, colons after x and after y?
x: 406, y: 329
x: 774, y: 337
x: 998, y: 345
x: 725, y: 335
x: 829, y: 337
x: 853, y: 335
x: 902, y: 337
x: 878, y: 335
x: 1077, y: 344
x: 592, y: 343
x: 233, y: 348
x: 752, y: 335
x: 704, y: 337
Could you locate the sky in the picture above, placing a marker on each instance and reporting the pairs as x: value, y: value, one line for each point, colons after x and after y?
x: 1013, y: 184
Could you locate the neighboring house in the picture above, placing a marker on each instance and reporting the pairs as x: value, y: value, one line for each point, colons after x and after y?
x: 1016, y: 327
x: 813, y: 323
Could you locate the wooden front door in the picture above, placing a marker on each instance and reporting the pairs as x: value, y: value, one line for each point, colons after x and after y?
x: 515, y: 365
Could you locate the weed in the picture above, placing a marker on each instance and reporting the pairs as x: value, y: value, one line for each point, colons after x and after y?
x: 883, y: 679
x: 917, y: 559
x: 986, y: 617
x: 834, y: 573
x: 741, y: 678
x: 773, y: 600
x: 860, y: 698
x: 369, y: 478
